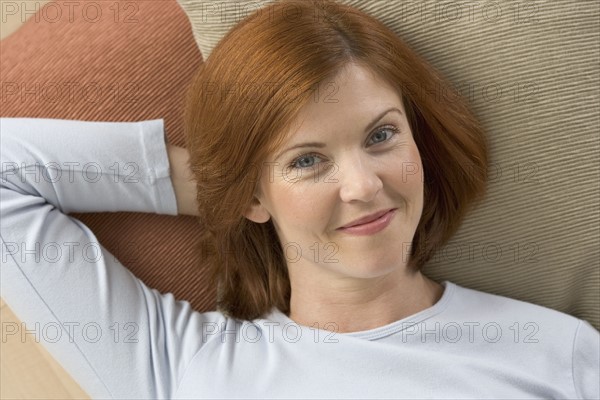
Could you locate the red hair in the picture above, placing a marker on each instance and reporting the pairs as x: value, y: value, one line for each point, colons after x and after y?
x: 246, y: 95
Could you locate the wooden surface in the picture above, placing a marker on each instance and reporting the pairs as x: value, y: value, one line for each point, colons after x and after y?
x: 27, y: 370
x: 14, y: 13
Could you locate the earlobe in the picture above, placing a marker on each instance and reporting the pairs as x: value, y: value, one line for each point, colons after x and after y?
x: 256, y: 212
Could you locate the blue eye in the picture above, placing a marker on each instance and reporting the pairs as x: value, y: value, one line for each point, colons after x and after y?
x: 304, y: 161
x: 380, y: 135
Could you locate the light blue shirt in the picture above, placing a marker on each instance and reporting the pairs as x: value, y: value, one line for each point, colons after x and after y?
x: 119, y: 338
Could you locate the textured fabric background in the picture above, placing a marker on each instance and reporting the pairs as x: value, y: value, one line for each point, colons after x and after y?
x: 530, y: 70
x: 108, y: 63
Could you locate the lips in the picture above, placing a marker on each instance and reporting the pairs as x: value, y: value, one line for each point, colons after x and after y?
x: 367, y: 219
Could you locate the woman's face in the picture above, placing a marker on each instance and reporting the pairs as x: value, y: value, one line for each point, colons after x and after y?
x: 349, y: 155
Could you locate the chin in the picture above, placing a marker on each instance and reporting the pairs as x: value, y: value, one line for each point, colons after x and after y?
x: 375, y: 266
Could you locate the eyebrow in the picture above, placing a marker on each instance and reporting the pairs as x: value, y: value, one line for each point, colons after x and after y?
x: 321, y: 145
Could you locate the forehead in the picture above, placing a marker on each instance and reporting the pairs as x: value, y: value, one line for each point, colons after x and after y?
x: 349, y: 100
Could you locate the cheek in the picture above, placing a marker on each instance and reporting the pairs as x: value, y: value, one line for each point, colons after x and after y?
x: 405, y: 174
x: 413, y: 168
x: 291, y: 204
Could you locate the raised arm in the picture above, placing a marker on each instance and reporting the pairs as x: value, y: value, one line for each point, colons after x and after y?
x: 114, y: 335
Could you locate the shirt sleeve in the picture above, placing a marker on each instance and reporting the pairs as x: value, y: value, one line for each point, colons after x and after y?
x: 586, y: 361
x: 114, y: 335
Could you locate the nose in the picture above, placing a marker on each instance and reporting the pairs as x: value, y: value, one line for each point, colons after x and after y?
x: 359, y: 180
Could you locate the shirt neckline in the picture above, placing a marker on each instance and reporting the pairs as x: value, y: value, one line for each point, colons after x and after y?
x: 389, y: 329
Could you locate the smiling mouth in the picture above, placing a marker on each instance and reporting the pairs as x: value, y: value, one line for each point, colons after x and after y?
x: 371, y: 227
x: 367, y: 219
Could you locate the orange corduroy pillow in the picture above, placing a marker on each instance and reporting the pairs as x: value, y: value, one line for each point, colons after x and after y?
x: 115, y: 61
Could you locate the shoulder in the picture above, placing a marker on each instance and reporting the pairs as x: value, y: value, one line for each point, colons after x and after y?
x: 513, y: 315
x: 539, y: 342
x: 500, y: 305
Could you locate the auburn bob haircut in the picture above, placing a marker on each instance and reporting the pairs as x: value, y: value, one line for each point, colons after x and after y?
x: 247, y: 94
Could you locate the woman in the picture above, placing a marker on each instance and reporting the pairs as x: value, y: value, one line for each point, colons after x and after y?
x: 324, y: 171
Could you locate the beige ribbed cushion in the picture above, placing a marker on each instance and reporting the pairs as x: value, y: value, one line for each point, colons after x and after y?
x: 530, y: 69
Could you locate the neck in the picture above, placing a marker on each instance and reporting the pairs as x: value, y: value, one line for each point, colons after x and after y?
x: 352, y: 305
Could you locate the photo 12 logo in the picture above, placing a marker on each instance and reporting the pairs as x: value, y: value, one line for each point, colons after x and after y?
x: 70, y: 11
x: 53, y: 332
x: 469, y: 332
x: 70, y: 92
